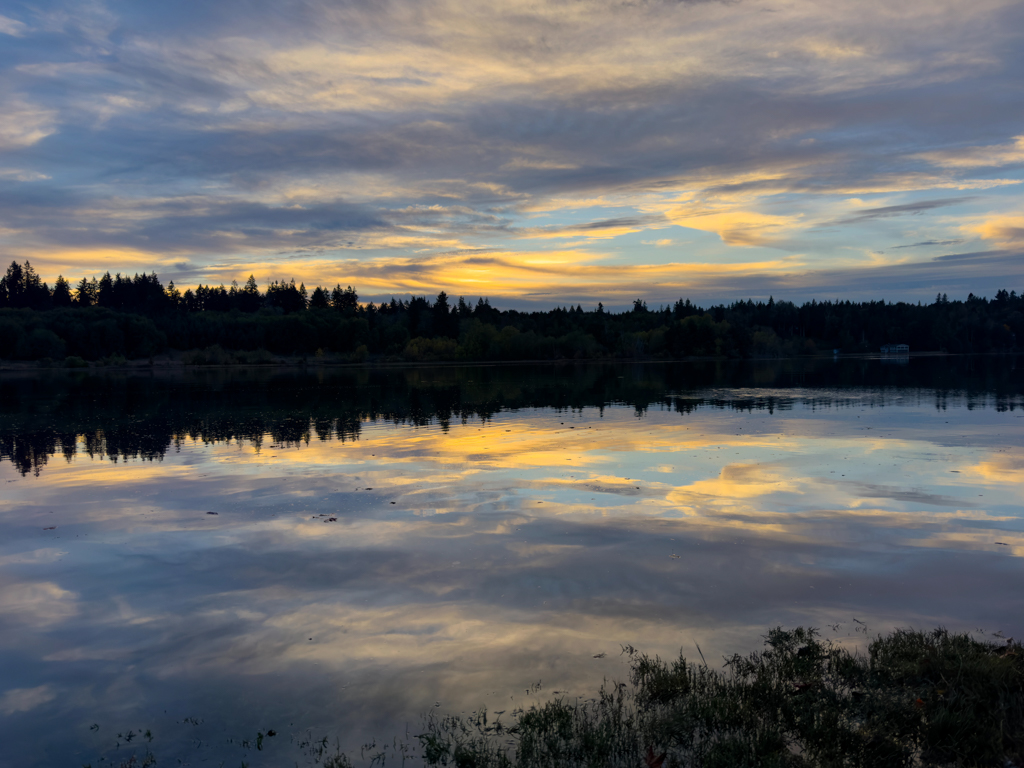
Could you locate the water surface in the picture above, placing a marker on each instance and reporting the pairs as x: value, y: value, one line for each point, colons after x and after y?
x: 212, y: 554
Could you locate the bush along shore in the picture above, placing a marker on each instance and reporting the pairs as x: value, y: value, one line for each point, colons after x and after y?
x: 915, y: 698
x: 129, y: 318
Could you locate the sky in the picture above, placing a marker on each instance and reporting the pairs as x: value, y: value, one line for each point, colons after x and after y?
x: 537, y: 153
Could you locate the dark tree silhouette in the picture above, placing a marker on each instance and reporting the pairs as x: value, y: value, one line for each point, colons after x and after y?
x: 61, y: 293
x: 136, y: 316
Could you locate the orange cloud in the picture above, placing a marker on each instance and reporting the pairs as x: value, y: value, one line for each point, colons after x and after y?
x: 78, y: 262
x: 739, y: 227
x: 1004, y: 230
x: 978, y: 157
x: 505, y: 273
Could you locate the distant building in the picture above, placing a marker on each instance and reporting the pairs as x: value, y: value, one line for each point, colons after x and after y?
x: 895, y: 349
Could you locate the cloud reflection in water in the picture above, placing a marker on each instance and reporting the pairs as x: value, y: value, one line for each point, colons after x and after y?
x: 466, y: 563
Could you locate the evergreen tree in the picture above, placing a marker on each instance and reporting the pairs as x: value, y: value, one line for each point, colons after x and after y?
x: 249, y: 298
x: 14, y: 285
x: 319, y: 299
x: 85, y: 292
x: 21, y: 288
x: 61, y: 293
x: 347, y: 300
x: 173, y: 294
x: 105, y: 292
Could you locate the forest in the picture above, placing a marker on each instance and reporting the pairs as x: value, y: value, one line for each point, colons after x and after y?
x: 118, y: 318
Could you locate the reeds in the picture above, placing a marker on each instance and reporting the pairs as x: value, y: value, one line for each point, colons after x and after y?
x: 916, y: 699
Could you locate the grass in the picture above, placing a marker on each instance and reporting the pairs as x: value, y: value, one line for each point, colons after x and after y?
x: 916, y: 699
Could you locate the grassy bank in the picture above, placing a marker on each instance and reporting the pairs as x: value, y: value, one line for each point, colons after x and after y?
x: 915, y: 699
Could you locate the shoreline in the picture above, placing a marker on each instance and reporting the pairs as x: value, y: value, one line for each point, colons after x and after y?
x: 174, y: 363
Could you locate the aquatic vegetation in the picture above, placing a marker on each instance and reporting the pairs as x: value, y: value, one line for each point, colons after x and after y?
x: 917, y: 698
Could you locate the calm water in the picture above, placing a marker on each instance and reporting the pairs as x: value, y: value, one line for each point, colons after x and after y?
x: 336, y: 553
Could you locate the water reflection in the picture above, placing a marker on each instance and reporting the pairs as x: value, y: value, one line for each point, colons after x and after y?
x: 146, y: 415
x: 348, y: 585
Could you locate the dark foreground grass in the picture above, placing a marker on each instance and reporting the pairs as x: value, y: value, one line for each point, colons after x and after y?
x: 916, y: 699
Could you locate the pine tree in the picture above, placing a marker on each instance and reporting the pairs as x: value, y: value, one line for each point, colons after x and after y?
x: 173, y: 294
x: 319, y: 299
x: 61, y: 293
x: 105, y: 292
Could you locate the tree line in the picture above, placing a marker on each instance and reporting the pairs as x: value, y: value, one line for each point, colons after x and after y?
x: 137, y: 317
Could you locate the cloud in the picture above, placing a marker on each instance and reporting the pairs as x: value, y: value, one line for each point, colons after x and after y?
x: 25, y: 699
x: 241, y: 135
x: 915, y: 496
x: 547, y: 165
x: 12, y: 27
x: 1007, y: 231
x: 829, y: 49
x: 22, y: 124
x: 531, y: 276
x: 81, y: 262
x: 545, y: 277
x: 889, y: 211
x: 738, y: 227
x: 597, y: 230
x: 978, y: 157
x: 403, y: 604
x: 36, y: 604
x: 35, y: 557
x: 21, y: 175
x: 924, y: 243
x: 197, y: 223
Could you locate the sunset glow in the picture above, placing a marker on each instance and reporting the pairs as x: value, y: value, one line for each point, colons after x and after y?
x: 536, y: 153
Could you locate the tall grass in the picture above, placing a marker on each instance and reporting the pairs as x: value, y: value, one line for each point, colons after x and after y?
x: 916, y: 699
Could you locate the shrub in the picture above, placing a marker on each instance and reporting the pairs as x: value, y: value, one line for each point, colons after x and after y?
x: 40, y: 343
x: 212, y: 355
x: 426, y: 350
x: 216, y: 355
x: 917, y: 699
x: 254, y: 357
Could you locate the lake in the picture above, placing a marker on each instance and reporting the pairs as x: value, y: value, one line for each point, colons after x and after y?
x: 212, y: 554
